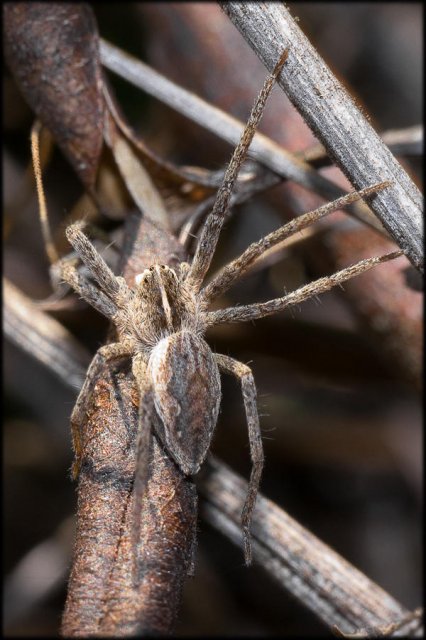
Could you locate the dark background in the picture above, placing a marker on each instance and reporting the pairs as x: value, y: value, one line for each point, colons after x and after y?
x: 342, y: 431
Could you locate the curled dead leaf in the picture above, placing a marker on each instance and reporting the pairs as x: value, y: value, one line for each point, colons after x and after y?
x: 52, y: 51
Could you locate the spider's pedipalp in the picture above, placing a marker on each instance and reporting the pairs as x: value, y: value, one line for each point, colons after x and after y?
x: 235, y: 269
x: 213, y: 225
x: 114, y: 287
x: 93, y: 295
x: 260, y: 310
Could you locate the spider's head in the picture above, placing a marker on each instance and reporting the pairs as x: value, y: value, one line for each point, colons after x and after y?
x: 156, y: 278
x: 160, y: 297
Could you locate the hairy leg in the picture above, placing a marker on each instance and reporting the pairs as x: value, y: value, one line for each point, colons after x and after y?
x: 143, y: 446
x: 235, y: 269
x: 104, y: 354
x: 248, y: 387
x: 213, y: 225
x: 114, y: 286
x: 315, y: 288
x: 93, y: 295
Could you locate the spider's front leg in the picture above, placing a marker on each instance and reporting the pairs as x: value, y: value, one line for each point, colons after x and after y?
x: 248, y: 387
x: 238, y: 267
x: 105, y: 354
x: 213, y: 225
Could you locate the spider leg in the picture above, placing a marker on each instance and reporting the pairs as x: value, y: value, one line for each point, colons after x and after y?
x: 248, y: 387
x: 260, y: 310
x: 213, y: 225
x: 93, y: 295
x: 108, y: 352
x: 143, y: 446
x: 113, y: 285
x: 235, y: 269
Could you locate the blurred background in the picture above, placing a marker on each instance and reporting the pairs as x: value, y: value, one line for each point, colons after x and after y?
x: 340, y: 411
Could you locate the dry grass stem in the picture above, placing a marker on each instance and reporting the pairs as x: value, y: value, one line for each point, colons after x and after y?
x: 328, y: 585
x: 402, y: 142
x: 42, y: 337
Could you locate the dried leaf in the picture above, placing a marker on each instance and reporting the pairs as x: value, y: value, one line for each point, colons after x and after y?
x: 52, y: 50
x: 136, y: 177
x: 180, y: 187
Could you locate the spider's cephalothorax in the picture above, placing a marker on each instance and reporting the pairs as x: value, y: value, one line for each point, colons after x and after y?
x: 163, y: 317
x: 165, y: 303
x: 160, y: 325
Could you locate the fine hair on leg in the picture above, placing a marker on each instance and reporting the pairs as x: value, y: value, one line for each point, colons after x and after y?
x: 213, y: 225
x: 248, y: 387
x: 113, y: 285
x: 89, y: 292
x: 260, y: 310
x: 229, y: 274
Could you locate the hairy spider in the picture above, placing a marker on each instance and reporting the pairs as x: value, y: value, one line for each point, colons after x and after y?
x: 161, y: 322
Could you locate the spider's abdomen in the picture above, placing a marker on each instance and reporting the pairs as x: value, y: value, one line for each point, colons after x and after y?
x: 187, y: 397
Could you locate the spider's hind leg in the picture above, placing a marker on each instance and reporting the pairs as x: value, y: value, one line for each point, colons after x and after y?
x: 248, y: 387
x: 143, y: 448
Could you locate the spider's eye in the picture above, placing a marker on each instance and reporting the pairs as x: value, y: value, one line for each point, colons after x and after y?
x: 139, y: 278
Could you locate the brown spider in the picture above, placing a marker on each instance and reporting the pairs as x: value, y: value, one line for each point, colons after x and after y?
x: 161, y: 323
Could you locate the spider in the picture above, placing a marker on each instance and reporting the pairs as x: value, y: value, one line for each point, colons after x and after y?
x: 161, y: 322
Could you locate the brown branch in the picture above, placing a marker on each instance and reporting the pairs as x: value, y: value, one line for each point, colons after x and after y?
x: 102, y: 598
x: 323, y: 581
x: 334, y: 118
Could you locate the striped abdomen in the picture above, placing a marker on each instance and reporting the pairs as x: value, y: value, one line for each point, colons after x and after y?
x: 187, y: 396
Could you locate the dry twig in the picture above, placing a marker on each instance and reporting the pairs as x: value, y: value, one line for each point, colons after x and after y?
x: 403, y: 142
x: 42, y: 337
x: 335, y: 119
x: 316, y: 575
